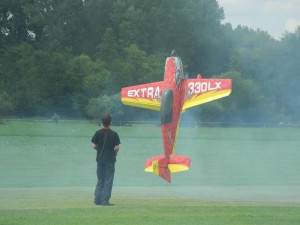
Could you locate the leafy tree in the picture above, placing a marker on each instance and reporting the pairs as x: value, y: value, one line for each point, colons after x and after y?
x: 108, y: 50
x: 13, y: 28
x: 6, y: 106
x: 251, y: 55
x: 55, y: 56
x: 57, y: 25
x: 191, y: 27
x: 245, y: 104
x: 290, y: 76
x: 156, y: 62
x: 104, y: 104
x: 132, y: 29
x: 21, y: 81
x: 87, y: 79
x: 134, y: 67
x: 97, y: 14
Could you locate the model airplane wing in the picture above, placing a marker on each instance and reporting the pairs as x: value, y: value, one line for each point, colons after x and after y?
x: 146, y: 96
x: 199, y: 91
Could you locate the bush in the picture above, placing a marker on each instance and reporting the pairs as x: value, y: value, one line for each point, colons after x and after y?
x: 55, y: 118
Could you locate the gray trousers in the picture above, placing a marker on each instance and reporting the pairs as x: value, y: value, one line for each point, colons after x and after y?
x: 105, y: 175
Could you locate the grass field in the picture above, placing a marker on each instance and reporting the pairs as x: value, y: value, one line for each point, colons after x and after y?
x: 237, y: 176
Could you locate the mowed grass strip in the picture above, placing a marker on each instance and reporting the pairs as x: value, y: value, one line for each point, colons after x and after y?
x: 153, y: 211
x: 73, y: 205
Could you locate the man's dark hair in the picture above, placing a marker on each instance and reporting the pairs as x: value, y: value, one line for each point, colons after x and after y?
x: 106, y: 120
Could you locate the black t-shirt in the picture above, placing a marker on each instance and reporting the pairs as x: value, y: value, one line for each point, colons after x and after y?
x: 106, y: 140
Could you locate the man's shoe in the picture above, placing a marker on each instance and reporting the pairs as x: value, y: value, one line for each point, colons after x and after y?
x: 103, y: 204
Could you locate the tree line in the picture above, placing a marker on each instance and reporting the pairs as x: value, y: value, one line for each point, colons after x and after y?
x: 72, y: 57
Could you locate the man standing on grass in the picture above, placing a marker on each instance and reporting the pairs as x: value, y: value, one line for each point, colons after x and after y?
x: 106, y: 142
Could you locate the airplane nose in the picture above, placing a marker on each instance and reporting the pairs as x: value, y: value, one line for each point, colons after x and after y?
x: 173, y: 53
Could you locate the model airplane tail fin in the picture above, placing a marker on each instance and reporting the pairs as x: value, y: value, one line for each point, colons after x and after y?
x: 163, y: 166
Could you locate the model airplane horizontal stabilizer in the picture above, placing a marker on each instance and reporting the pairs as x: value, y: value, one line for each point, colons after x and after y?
x: 171, y: 97
x: 163, y: 166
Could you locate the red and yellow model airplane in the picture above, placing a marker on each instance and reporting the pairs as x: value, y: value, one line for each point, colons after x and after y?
x: 171, y: 97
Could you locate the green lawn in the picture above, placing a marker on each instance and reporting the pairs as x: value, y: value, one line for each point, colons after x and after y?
x: 155, y: 211
x: 237, y: 176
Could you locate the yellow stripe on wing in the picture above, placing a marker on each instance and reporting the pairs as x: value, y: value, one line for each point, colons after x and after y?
x: 175, y: 168
x: 152, y: 104
x: 203, y: 98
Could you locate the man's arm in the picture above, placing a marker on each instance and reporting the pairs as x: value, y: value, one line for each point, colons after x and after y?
x: 116, y: 149
x: 94, y: 146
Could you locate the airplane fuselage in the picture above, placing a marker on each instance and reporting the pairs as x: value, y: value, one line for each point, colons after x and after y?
x: 172, y: 102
